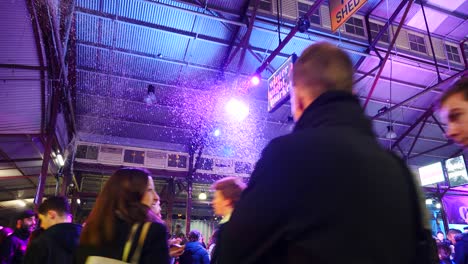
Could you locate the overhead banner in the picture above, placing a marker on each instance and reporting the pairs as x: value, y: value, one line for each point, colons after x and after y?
x: 280, y: 84
x: 456, y: 208
x: 342, y: 10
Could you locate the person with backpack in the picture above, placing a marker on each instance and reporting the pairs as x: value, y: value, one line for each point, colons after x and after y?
x: 121, y: 227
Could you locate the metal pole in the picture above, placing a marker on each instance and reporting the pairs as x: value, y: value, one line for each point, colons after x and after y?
x: 170, y: 203
x: 376, y: 80
x: 188, y: 211
x: 430, y: 42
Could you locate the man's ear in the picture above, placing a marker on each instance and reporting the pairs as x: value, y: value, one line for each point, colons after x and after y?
x: 52, y: 214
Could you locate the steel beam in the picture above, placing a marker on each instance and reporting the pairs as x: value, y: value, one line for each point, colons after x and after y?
x: 288, y: 38
x: 417, y: 136
x: 246, y: 38
x: 419, y: 120
x: 438, y: 124
x: 390, y: 47
x: 432, y: 149
x: 447, y: 82
x: 430, y: 42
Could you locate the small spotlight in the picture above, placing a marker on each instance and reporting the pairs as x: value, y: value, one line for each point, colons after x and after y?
x: 428, y: 201
x: 60, y: 160
x: 202, y: 196
x: 217, y: 132
x: 237, y: 109
x: 438, y: 206
x: 78, y: 201
x: 255, y: 80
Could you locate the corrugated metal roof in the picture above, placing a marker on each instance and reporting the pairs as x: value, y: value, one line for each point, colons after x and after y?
x: 20, y: 110
x: 131, y: 130
x: 213, y: 28
x: 157, y: 14
x: 17, y: 41
x: 89, y: 4
x: 151, y: 41
x: 198, y: 53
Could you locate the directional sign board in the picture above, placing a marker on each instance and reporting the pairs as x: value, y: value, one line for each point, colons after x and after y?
x: 342, y: 10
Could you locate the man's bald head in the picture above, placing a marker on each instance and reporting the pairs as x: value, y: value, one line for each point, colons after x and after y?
x: 322, y: 67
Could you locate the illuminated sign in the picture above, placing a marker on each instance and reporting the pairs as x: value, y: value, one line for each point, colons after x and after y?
x: 280, y: 83
x: 342, y: 10
x: 431, y: 174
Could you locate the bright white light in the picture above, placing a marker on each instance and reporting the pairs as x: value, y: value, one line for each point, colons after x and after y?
x: 255, y: 80
x: 438, y: 205
x: 202, y: 196
x: 20, y: 203
x: 60, y: 159
x: 217, y: 132
x: 78, y: 201
x: 428, y: 201
x: 237, y: 109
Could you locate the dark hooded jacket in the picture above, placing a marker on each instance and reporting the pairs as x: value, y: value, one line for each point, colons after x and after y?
x: 13, y: 248
x: 55, y: 245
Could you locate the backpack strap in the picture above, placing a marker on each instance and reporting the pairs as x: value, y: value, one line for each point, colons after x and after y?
x: 128, y: 244
x: 141, y: 242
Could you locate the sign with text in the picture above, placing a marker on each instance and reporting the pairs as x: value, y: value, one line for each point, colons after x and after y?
x: 280, y: 83
x: 342, y: 10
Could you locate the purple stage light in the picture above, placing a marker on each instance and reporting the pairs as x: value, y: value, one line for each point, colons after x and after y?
x: 237, y: 109
x: 255, y: 80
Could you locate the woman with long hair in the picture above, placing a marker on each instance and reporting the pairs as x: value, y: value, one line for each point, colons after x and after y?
x: 125, y: 200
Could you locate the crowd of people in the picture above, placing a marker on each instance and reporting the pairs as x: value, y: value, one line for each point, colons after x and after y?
x: 325, y: 193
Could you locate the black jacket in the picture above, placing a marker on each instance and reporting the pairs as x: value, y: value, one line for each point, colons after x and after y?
x: 461, y: 250
x: 155, y: 248
x: 56, y: 245
x: 13, y: 247
x: 326, y: 193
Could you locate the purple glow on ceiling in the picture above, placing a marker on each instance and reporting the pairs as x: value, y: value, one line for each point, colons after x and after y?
x: 434, y: 19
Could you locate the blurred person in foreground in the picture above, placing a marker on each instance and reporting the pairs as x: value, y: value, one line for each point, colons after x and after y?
x: 121, y: 209
x: 453, y: 110
x: 328, y: 173
x: 57, y: 243
x: 14, y: 246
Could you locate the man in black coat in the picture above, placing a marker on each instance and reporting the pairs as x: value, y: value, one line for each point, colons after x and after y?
x: 14, y: 246
x: 327, y: 192
x: 59, y: 240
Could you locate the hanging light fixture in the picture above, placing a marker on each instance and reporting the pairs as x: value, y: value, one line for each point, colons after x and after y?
x: 390, y: 133
x: 150, y: 98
